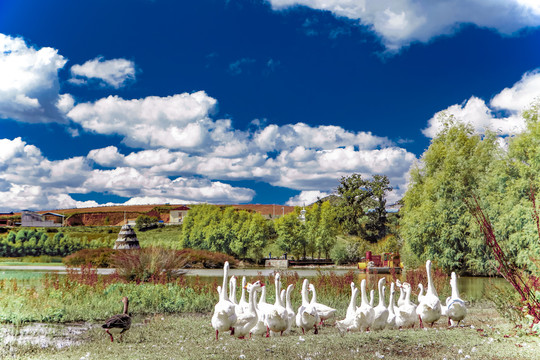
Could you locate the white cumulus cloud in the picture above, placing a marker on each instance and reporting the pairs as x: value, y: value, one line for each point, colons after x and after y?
x: 306, y: 198
x: 115, y: 73
x: 178, y: 121
x: 29, y: 87
x: 503, y: 113
x: 401, y: 22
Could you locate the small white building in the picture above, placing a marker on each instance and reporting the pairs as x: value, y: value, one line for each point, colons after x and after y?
x: 33, y: 219
x: 176, y: 215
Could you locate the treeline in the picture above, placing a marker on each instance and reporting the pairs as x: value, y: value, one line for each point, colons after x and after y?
x: 310, y: 233
x: 242, y: 234
x: 458, y: 167
x: 32, y: 242
x: 313, y: 233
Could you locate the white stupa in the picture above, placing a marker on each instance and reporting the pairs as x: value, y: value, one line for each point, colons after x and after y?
x: 127, y: 239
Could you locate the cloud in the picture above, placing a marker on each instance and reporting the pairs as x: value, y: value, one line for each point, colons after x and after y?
x: 239, y: 66
x: 178, y: 122
x: 108, y: 157
x: 115, y: 73
x: 502, y: 115
x: 29, y: 87
x: 306, y: 198
x: 401, y: 22
x: 29, y: 180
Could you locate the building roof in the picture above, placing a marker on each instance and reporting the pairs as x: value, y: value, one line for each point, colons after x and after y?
x: 181, y: 207
x: 53, y: 214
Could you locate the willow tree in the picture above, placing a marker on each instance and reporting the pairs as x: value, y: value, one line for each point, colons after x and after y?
x: 508, y: 194
x: 291, y: 236
x: 435, y: 221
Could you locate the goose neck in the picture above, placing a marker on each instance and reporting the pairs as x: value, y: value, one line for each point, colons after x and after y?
x: 223, y: 293
x: 431, y: 287
x: 363, y: 292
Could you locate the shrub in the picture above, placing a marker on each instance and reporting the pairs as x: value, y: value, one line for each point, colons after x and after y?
x: 100, y: 257
x: 206, y: 259
x: 145, y: 222
x: 149, y: 264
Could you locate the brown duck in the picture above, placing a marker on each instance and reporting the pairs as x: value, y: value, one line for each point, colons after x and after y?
x: 118, y: 323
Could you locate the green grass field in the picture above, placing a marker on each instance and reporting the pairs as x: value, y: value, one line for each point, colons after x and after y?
x: 190, y: 336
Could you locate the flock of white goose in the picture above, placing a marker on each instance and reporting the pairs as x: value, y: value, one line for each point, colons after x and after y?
x: 250, y: 317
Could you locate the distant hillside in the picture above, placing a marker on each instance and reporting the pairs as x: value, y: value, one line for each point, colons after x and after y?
x: 114, y: 215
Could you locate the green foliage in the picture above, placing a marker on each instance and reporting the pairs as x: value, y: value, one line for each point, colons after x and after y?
x: 100, y: 257
x: 435, y: 220
x: 226, y: 230
x: 32, y: 242
x: 321, y: 228
x: 145, y: 222
x: 348, y: 250
x: 291, y: 235
x: 362, y: 209
x: 376, y: 226
x: 355, y: 195
x: 149, y: 264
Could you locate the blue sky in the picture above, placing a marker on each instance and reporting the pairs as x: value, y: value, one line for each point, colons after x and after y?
x: 245, y: 101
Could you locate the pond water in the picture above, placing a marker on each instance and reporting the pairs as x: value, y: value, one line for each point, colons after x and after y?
x: 471, y: 288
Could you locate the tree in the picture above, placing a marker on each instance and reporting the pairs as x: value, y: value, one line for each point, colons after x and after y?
x: 354, y: 195
x: 145, y: 222
x: 225, y: 229
x: 327, y: 229
x: 376, y: 226
x: 291, y: 235
x: 435, y: 222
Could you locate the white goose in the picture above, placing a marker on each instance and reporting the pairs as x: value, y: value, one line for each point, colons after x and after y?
x: 247, y: 320
x: 371, y: 297
x: 456, y: 308
x: 262, y: 308
x: 401, y: 299
x: 325, y: 312
x: 421, y: 293
x: 307, y: 317
x: 406, y: 313
x: 232, y: 290
x: 276, y: 316
x: 290, y: 310
x: 365, y: 312
x: 429, y: 308
x: 351, y: 310
x: 350, y: 323
x: 224, y: 317
x: 243, y: 303
x: 391, y: 322
x: 381, y: 312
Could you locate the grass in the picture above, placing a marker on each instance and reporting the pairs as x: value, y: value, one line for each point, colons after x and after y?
x: 43, y: 260
x: 190, y: 336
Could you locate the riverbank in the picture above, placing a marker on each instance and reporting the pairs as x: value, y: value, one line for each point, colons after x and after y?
x: 484, y: 335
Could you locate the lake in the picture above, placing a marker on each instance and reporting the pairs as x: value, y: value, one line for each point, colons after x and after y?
x: 471, y: 288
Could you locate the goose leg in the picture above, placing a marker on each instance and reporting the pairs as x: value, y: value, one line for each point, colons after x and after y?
x: 107, y: 331
x: 316, y: 330
x: 421, y: 324
x: 217, y: 331
x: 267, y: 331
x: 304, y: 332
